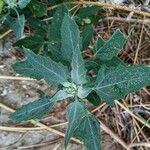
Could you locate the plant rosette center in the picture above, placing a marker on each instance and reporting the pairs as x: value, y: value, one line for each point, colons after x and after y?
x: 70, y: 88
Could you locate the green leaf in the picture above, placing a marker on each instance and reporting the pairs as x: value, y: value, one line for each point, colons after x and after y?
x: 1, y: 5
x: 38, y: 8
x: 18, y: 26
x: 112, y: 47
x: 115, y: 82
x: 87, y: 36
x: 33, y: 110
x: 88, y: 11
x: 61, y: 95
x: 70, y: 37
x: 75, y: 112
x: 11, y: 3
x: 94, y: 98
x: 83, y: 91
x: 54, y: 32
x: 40, y: 67
x: 33, y: 42
x: 37, y: 109
x: 89, y: 132
x: 78, y: 72
x: 23, y: 3
x: 38, y: 26
x: 99, y: 44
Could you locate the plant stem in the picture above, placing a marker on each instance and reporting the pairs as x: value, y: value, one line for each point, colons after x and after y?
x: 103, y: 4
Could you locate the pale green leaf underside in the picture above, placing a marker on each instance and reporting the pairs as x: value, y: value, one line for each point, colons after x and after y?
x: 114, y: 83
x: 70, y: 37
x: 39, y: 67
x: 83, y: 91
x: 89, y: 132
x: 76, y: 111
x: 18, y: 26
x: 23, y: 3
x: 60, y: 95
x: 112, y: 47
x: 78, y: 73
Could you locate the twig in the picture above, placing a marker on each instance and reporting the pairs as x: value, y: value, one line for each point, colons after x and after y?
x: 4, y: 34
x: 113, y: 135
x: 23, y: 129
x: 16, y: 78
x: 139, y: 44
x: 145, y: 21
x: 42, y: 126
x: 140, y: 144
x: 133, y: 115
x: 103, y: 4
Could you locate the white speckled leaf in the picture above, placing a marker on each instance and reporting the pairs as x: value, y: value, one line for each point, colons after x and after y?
x: 70, y: 37
x: 75, y: 112
x: 40, y: 67
x: 111, y: 48
x: 37, y: 109
x: 114, y: 83
x: 23, y: 3
x: 78, y: 73
x: 89, y: 132
x: 33, y: 110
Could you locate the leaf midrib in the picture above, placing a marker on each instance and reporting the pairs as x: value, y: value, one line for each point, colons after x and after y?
x: 47, y: 68
x: 97, y: 87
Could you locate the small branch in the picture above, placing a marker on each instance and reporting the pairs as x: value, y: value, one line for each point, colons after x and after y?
x: 133, y: 115
x: 43, y: 126
x: 16, y: 78
x: 140, y: 144
x: 4, y: 34
x: 103, y: 4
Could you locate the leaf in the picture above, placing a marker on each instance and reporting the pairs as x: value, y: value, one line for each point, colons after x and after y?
x: 88, y: 11
x: 38, y: 8
x: 61, y: 95
x: 70, y: 37
x: 33, y: 110
x: 94, y: 98
x: 37, y: 109
x: 75, y: 112
x: 83, y: 91
x: 33, y: 42
x: 115, y: 82
x: 18, y: 26
x: 89, y: 132
x: 54, y: 32
x: 1, y: 5
x: 95, y: 64
x: 78, y: 72
x: 112, y: 47
x: 87, y: 36
x: 23, y: 3
x: 38, y: 26
x: 99, y: 44
x: 40, y: 67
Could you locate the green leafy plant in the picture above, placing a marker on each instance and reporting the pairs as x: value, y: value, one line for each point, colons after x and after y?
x: 61, y: 63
